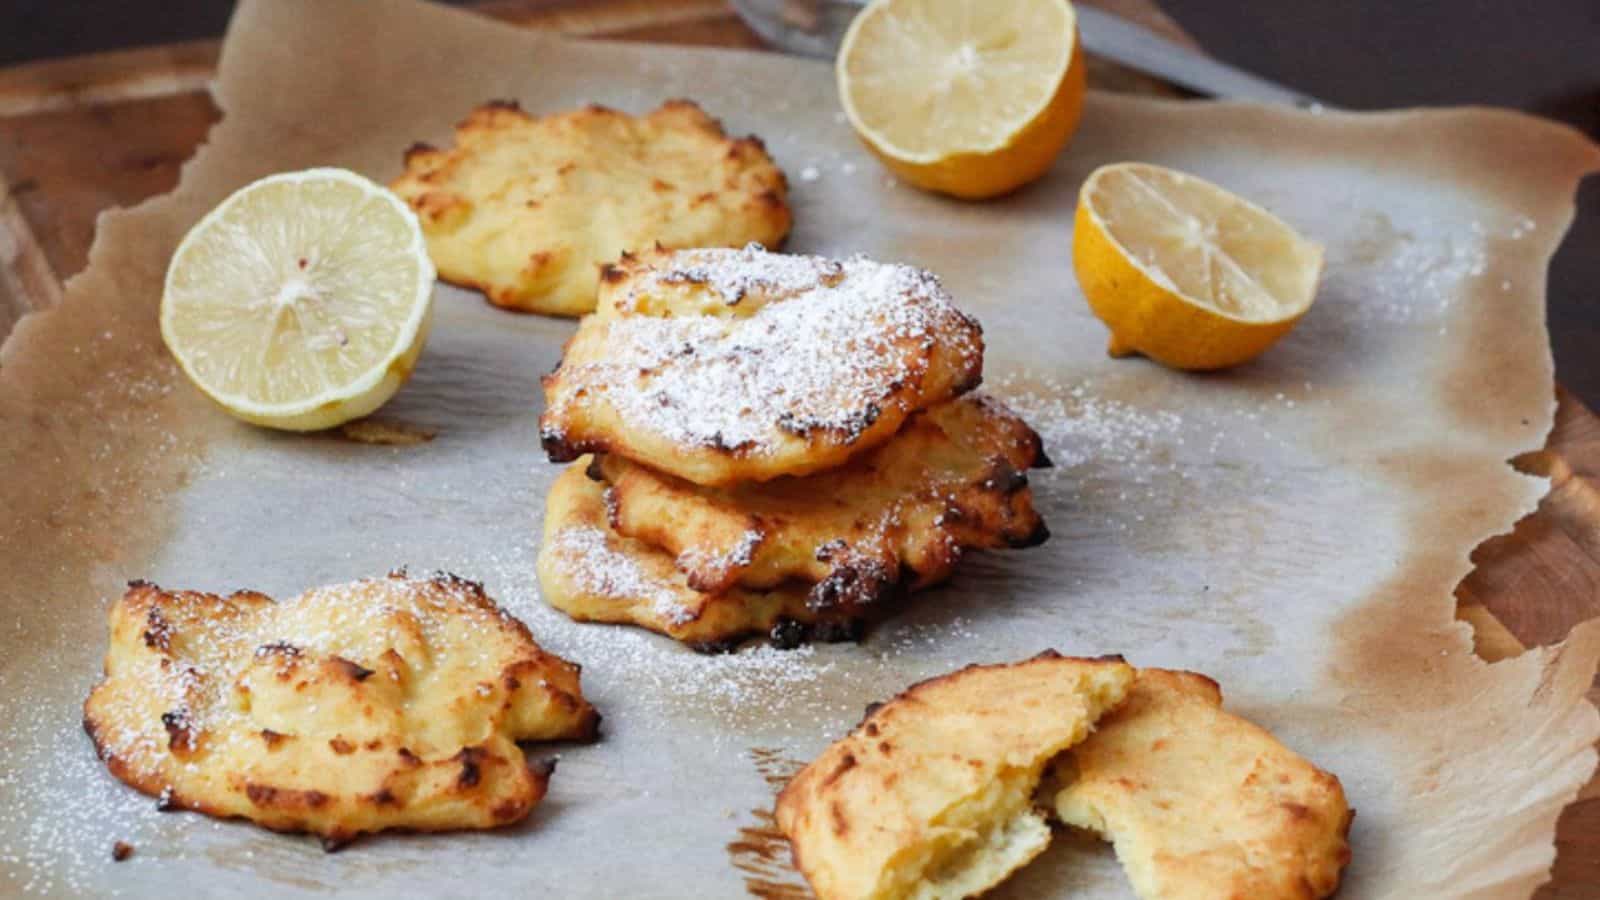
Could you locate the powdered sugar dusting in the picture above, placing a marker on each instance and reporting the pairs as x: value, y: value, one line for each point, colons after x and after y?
x: 733, y: 274
x: 739, y: 554
x: 1077, y: 426
x: 72, y: 812
x: 820, y: 353
x: 654, y: 682
x: 648, y: 669
x: 1414, y: 274
x: 596, y: 568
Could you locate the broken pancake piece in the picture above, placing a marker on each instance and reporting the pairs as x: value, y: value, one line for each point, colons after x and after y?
x: 387, y: 703
x: 931, y: 796
x: 528, y: 208
x: 899, y: 514
x: 593, y: 574
x: 1201, y: 804
x: 719, y: 366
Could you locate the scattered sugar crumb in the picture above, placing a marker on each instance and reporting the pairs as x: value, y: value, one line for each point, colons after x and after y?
x: 1402, y: 279
x: 1078, y: 427
x: 597, y: 569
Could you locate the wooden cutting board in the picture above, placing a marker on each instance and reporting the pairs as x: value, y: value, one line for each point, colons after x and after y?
x: 85, y: 134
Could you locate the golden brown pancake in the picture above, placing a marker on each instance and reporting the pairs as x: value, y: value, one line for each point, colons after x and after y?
x: 719, y: 366
x: 527, y: 208
x: 899, y: 514
x: 593, y: 574
x: 1201, y: 804
x: 931, y: 796
x: 388, y: 703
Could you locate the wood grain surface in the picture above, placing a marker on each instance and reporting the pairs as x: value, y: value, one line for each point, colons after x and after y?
x: 85, y: 134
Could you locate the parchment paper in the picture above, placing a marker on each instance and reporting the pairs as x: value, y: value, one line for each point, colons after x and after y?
x: 1293, y: 528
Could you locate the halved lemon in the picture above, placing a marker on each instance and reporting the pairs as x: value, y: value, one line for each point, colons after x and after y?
x: 302, y: 301
x: 1185, y: 272
x: 972, y: 98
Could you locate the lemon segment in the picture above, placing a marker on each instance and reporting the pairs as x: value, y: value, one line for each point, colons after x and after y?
x: 972, y: 98
x: 1184, y: 272
x: 302, y: 301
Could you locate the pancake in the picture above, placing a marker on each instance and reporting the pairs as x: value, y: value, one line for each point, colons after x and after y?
x: 593, y: 574
x: 388, y: 703
x: 720, y: 366
x: 931, y: 796
x: 527, y: 209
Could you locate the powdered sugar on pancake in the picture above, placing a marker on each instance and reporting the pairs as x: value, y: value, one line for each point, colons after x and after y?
x: 822, y: 346
x: 597, y: 568
x: 736, y: 274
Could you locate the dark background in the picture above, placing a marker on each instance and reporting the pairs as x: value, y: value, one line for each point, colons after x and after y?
x: 1538, y: 55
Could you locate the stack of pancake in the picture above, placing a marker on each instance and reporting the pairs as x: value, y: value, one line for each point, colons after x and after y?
x: 768, y: 443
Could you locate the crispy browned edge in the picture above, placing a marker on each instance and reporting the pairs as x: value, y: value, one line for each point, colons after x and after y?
x: 267, y: 796
x: 841, y: 622
x: 860, y: 583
